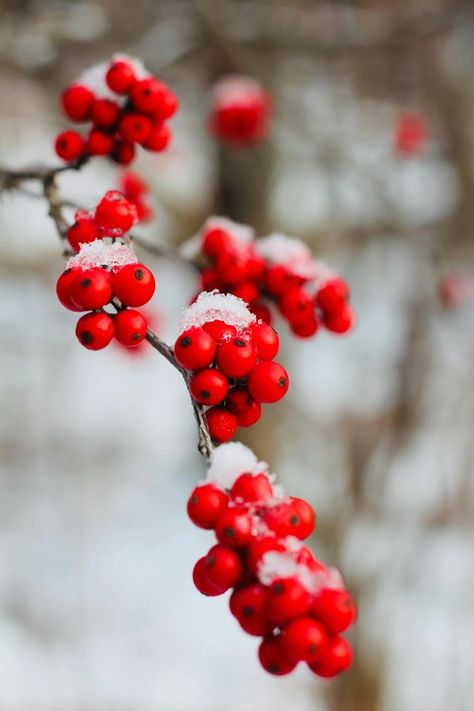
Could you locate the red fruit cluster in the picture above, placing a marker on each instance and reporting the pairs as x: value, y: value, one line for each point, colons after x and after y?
x: 276, y: 269
x: 410, y: 134
x: 230, y: 355
x: 240, y: 111
x: 136, y: 192
x: 125, y: 106
x: 103, y: 271
x: 281, y: 592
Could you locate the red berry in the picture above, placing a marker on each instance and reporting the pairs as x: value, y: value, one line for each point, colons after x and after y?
x: 336, y: 659
x: 91, y: 289
x: 100, y: 143
x: 63, y: 288
x: 120, y: 76
x: 333, y: 295
x: 133, y: 186
x: 135, y: 128
x: 170, y: 106
x: 202, y: 582
x: 305, y: 329
x: 268, y: 382
x: 266, y: 341
x: 339, y: 321
x: 158, y: 139
x: 304, y: 639
x: 84, y: 230
x: 248, y: 606
x: 236, y: 357
x: 223, y: 567
x: 287, y: 600
x: 105, y: 113
x: 209, y: 386
x: 293, y: 517
x: 130, y: 327
x: 149, y: 95
x: 411, y: 134
x: 95, y: 331
x: 276, y: 279
x: 222, y: 424
x: 69, y: 145
x: 219, y: 330
x: 248, y: 291
x: 241, y: 113
x: 206, y: 504
x: 123, y: 152
x: 262, y: 312
x: 297, y: 305
x: 231, y: 268
x: 259, y: 547
x: 234, y: 527
x: 252, y: 488
x: 215, y: 242
x: 115, y: 212
x: 77, y: 102
x: 273, y: 658
x: 195, y: 349
x: 335, y: 608
x: 247, y: 410
x: 134, y: 284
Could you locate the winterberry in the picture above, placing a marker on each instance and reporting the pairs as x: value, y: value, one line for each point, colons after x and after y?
x: 223, y: 567
x: 335, y: 608
x: 273, y: 658
x: 201, y: 581
x: 219, y: 330
x: 236, y: 357
x: 234, y: 527
x: 95, y: 331
x: 105, y: 113
x: 69, y: 145
x: 336, y: 658
x: 222, y: 423
x: 63, y: 289
x: 120, y: 76
x: 209, y: 386
x: 266, y: 341
x: 158, y: 138
x: 248, y: 606
x: 195, y: 349
x: 134, y: 284
x: 115, y: 212
x: 247, y: 410
x: 287, y: 599
x: 268, y: 382
x: 99, y: 143
x: 82, y: 231
x: 135, y: 128
x: 339, y: 321
x: 304, y: 639
x: 77, y: 102
x: 333, y: 295
x: 206, y: 504
x: 252, y: 487
x: 91, y: 289
x: 130, y: 327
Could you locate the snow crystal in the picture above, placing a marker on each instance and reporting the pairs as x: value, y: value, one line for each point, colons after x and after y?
x: 99, y: 252
x: 275, y: 566
x: 211, y: 305
x: 231, y: 460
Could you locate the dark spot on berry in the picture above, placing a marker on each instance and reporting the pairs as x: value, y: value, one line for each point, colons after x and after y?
x: 294, y: 520
x: 185, y: 342
x: 205, y: 394
x: 146, y: 91
x: 67, y: 271
x: 313, y: 648
x: 229, y: 532
x: 278, y: 589
x: 85, y: 283
x: 210, y: 561
x: 86, y: 337
x: 139, y: 274
x: 247, y: 611
x: 346, y: 603
x: 282, y: 382
x: 273, y: 668
x: 240, y: 343
x: 136, y: 336
x: 194, y: 500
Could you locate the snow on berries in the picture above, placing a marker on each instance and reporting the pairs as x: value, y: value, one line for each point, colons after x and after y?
x: 240, y: 111
x: 277, y: 270
x: 103, y: 271
x: 229, y: 355
x: 280, y: 591
x: 124, y: 105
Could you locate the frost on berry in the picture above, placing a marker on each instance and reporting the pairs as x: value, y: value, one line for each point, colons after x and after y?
x: 100, y: 253
x: 211, y: 306
x: 296, y: 256
x: 229, y: 461
x: 242, y: 236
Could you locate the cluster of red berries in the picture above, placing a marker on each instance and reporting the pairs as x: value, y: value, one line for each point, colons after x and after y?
x: 275, y: 269
x: 240, y: 111
x: 281, y: 592
x: 126, y: 107
x: 230, y: 355
x: 105, y: 270
x: 136, y: 192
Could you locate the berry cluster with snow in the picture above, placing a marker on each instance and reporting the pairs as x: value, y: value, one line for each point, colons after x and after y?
x: 277, y: 270
x: 125, y: 105
x: 230, y: 355
x: 240, y: 111
x: 106, y: 269
x: 281, y: 591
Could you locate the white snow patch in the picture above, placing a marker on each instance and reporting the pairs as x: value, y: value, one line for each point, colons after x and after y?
x: 236, y: 88
x: 231, y: 460
x: 277, y: 566
x: 94, y: 77
x: 99, y: 253
x: 211, y: 306
x: 297, y: 257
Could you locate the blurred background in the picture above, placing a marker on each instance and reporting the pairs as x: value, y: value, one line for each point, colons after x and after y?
x: 97, y: 607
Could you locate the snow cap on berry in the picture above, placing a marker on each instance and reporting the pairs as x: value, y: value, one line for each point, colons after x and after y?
x: 236, y: 88
x: 242, y: 235
x: 212, y: 306
x: 275, y: 566
x: 296, y: 256
x: 94, y: 77
x: 100, y: 253
x: 231, y: 460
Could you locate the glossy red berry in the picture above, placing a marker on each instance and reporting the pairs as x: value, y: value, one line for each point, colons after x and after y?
x: 293, y: 517
x: 333, y: 295
x: 115, y: 212
x: 305, y: 329
x: 339, y: 321
x: 133, y: 186
x: 287, y: 600
x: 135, y: 128
x: 276, y: 279
x: 95, y: 331
x: 63, y: 289
x: 84, y: 230
x: 216, y: 242
x: 123, y: 153
x: 209, y: 386
x: 206, y: 504
x: 158, y: 138
x: 202, y: 582
x: 134, y: 284
x: 266, y: 341
x: 297, y: 305
x: 220, y: 331
x: 335, y: 608
x: 262, y: 312
x: 248, y: 291
x: 100, y: 143
x: 69, y: 145
x: 252, y: 488
x: 130, y: 327
x: 236, y: 357
x: 247, y: 410
x: 105, y: 113
x: 248, y: 606
x: 336, y: 658
x: 259, y: 547
x: 149, y: 95
x: 91, y: 289
x: 268, y: 382
x: 234, y: 527
x: 195, y: 349
x: 223, y: 567
x: 222, y: 423
x: 304, y: 639
x: 77, y: 102
x: 273, y: 658
x: 120, y: 76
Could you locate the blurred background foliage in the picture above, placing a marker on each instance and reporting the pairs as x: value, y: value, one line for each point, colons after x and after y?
x: 97, y: 609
